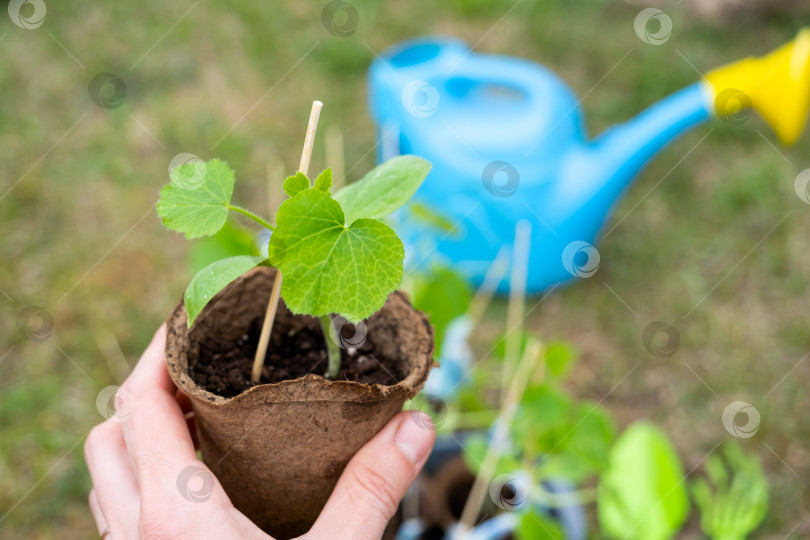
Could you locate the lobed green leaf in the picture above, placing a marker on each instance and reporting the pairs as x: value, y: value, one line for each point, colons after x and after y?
x: 324, y: 181
x: 734, y: 500
x: 196, y: 201
x: 384, y: 189
x: 329, y: 267
x: 295, y: 184
x: 333, y: 261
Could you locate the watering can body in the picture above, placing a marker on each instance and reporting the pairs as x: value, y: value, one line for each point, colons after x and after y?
x: 507, y: 142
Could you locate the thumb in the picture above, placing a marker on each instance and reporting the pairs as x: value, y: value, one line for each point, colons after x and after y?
x: 375, y: 480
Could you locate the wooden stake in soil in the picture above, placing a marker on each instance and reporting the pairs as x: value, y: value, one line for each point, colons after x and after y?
x: 272, y: 304
x: 515, y: 313
x: 267, y: 326
x: 502, y: 426
x: 309, y: 142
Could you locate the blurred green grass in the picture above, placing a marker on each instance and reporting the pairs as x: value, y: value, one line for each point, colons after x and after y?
x: 80, y: 237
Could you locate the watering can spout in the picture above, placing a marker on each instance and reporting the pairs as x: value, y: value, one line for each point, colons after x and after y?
x: 621, y: 151
x: 776, y: 85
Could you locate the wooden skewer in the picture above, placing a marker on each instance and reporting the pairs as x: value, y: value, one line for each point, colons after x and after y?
x: 267, y: 326
x: 309, y: 142
x: 516, y: 309
x: 272, y: 304
x: 499, y: 438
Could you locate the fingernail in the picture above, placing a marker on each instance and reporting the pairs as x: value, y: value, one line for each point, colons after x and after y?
x: 414, y: 436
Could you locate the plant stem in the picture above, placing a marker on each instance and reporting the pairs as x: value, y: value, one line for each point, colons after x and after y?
x: 251, y: 215
x: 332, y: 349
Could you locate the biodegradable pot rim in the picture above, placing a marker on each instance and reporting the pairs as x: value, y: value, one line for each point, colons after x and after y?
x: 310, y: 387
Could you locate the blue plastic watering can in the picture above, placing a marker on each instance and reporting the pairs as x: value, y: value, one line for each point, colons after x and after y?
x: 507, y: 141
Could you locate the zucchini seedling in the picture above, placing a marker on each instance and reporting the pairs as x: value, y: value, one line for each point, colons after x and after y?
x: 335, y: 254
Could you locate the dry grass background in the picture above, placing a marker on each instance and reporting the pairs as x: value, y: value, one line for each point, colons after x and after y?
x: 80, y: 237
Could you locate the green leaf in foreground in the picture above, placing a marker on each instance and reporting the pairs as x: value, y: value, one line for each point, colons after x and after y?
x: 196, y: 202
x: 212, y: 279
x: 324, y: 181
x: 384, y: 189
x: 642, y: 496
x: 329, y: 267
x: 536, y: 526
x: 295, y: 184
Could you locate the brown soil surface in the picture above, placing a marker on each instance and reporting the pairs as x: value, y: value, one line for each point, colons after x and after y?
x: 295, y: 350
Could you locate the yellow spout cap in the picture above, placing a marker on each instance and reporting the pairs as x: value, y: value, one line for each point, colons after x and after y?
x: 776, y: 85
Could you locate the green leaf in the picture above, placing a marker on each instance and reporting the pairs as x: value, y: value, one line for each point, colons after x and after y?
x: 559, y: 358
x: 642, y: 495
x: 591, y: 438
x: 536, y: 526
x: 580, y: 450
x: 212, y: 279
x: 384, y: 189
x: 543, y: 417
x: 475, y: 451
x: 230, y: 241
x: 295, y: 184
x: 734, y: 500
x: 196, y: 201
x: 329, y: 267
x: 324, y: 180
x: 471, y: 399
x: 444, y: 295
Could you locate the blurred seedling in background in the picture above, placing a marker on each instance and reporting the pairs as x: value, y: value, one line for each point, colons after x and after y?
x: 558, y: 452
x: 550, y: 441
x: 733, y: 498
x: 642, y: 490
x: 332, y: 253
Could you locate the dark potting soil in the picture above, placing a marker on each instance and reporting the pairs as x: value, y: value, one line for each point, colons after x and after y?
x: 223, y: 366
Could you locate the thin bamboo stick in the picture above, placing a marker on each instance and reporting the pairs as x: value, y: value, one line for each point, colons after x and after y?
x: 501, y: 432
x: 272, y: 304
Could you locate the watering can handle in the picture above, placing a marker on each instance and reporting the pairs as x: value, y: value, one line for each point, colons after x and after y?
x: 513, y: 74
x: 776, y: 85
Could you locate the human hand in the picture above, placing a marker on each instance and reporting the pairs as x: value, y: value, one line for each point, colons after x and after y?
x: 135, y: 459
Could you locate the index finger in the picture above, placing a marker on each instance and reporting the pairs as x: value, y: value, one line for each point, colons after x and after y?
x: 155, y: 431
